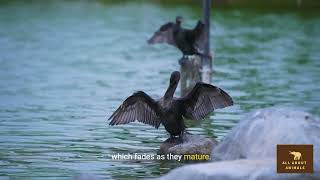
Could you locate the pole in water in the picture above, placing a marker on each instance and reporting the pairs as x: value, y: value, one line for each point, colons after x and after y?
x: 206, y: 62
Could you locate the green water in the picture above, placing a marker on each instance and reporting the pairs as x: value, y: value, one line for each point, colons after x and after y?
x: 65, y: 66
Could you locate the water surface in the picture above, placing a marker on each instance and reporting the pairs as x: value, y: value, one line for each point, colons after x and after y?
x: 65, y: 66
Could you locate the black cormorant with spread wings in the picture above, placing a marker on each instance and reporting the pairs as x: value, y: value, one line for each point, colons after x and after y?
x: 170, y: 111
x: 188, y: 41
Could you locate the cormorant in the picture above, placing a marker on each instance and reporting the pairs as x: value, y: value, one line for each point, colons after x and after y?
x: 188, y: 41
x: 170, y: 111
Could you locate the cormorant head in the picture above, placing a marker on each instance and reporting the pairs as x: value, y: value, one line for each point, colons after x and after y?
x: 178, y: 20
x: 175, y: 77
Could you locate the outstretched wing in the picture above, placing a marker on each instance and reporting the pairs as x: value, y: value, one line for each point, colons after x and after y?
x: 203, y: 99
x: 163, y: 35
x: 138, y: 106
x: 199, y: 34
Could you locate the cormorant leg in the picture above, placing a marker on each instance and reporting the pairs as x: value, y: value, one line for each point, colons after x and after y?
x: 171, y: 139
x: 181, y: 137
x: 181, y: 133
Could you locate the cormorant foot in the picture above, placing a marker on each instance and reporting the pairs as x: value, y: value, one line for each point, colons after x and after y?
x: 179, y: 140
x: 175, y: 139
x: 171, y: 139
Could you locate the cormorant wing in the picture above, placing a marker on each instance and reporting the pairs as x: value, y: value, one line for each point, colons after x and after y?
x: 138, y: 106
x: 199, y: 35
x: 203, y: 99
x: 163, y: 35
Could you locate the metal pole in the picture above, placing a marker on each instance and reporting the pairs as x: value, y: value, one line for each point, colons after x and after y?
x: 206, y: 62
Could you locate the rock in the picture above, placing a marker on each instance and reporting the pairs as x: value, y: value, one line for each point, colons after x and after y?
x: 249, y: 150
x: 257, y: 135
x: 192, y: 144
x: 263, y: 169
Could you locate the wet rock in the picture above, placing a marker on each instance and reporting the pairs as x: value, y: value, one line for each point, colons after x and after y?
x: 257, y: 135
x: 263, y: 169
x: 249, y: 150
x: 192, y: 144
